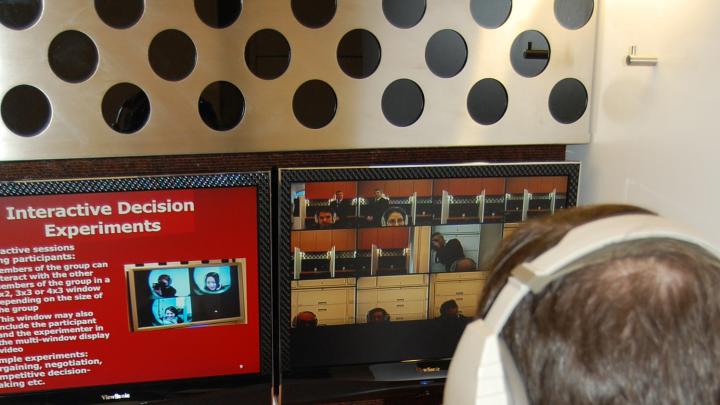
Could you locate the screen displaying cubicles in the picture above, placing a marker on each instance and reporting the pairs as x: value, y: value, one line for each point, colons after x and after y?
x: 388, y: 264
x: 134, y: 288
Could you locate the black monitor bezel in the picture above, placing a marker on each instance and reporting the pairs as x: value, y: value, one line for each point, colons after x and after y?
x: 159, y: 390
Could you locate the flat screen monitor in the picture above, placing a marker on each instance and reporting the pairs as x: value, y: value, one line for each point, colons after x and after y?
x: 387, y: 264
x: 134, y: 288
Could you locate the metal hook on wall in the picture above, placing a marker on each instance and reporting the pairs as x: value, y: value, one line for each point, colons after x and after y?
x: 530, y: 53
x: 633, y: 59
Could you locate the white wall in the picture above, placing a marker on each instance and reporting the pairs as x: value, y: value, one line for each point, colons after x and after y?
x: 655, y: 138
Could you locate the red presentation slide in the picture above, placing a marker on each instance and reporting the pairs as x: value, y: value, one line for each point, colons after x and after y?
x: 125, y: 287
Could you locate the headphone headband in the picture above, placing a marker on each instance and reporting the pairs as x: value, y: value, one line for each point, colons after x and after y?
x: 482, y: 370
x: 593, y: 236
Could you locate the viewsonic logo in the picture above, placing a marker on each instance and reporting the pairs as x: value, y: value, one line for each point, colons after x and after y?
x: 115, y: 397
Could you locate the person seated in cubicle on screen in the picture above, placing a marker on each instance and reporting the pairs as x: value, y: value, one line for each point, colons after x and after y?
x: 444, y: 254
x: 377, y: 316
x: 342, y: 208
x: 595, y: 305
x: 305, y: 319
x: 376, y: 207
x: 163, y: 286
x: 449, y: 310
x: 324, y: 218
x: 394, y: 216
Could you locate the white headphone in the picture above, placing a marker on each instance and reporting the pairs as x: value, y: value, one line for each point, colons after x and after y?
x: 482, y: 370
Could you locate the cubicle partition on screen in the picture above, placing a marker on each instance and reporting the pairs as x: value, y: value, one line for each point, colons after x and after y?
x: 139, y: 288
x: 387, y: 264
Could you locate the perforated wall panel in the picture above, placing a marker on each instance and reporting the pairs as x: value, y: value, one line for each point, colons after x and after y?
x: 192, y: 87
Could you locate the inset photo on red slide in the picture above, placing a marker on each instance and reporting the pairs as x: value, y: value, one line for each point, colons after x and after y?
x: 183, y: 294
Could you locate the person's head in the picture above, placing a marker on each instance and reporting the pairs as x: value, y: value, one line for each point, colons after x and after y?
x: 394, y: 216
x: 378, y: 193
x: 325, y: 217
x: 164, y: 280
x: 449, y: 309
x: 305, y: 319
x: 339, y: 195
x: 212, y: 281
x: 626, y: 323
x: 378, y: 315
x: 171, y: 313
x: 437, y: 241
x: 537, y: 236
x: 464, y: 264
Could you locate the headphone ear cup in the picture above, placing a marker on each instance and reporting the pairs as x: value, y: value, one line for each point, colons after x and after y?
x: 515, y: 384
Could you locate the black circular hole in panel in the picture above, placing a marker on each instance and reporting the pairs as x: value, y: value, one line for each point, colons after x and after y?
x: 125, y: 108
x: 314, y: 13
x: 267, y: 54
x: 404, y: 13
x: 358, y: 53
x: 403, y: 102
x: 221, y: 106
x: 120, y: 14
x: 20, y: 14
x: 218, y: 13
x: 73, y: 56
x: 530, y: 53
x: 568, y: 100
x: 573, y: 14
x: 314, y: 104
x: 487, y: 101
x: 446, y: 53
x: 490, y: 13
x: 172, y: 55
x: 25, y: 110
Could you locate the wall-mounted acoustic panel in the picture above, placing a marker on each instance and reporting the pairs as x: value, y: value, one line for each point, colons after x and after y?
x: 62, y: 61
